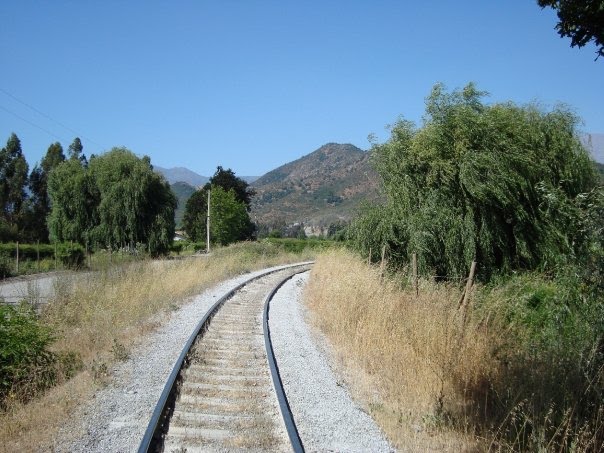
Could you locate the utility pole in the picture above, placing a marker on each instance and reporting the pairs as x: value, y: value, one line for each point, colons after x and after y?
x: 208, y: 224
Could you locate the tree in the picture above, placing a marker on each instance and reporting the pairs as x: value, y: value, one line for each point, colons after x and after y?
x: 13, y: 181
x: 73, y: 202
x: 135, y: 205
x: 227, y: 180
x: 75, y: 151
x: 117, y: 201
x: 499, y: 183
x: 39, y: 203
x: 230, y: 221
x: 229, y: 218
x: 194, y: 217
x: 580, y: 20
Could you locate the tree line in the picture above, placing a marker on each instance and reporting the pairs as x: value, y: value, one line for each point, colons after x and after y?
x: 114, y: 200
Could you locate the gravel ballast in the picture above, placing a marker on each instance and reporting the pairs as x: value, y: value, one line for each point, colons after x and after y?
x: 326, y: 416
x: 116, y: 419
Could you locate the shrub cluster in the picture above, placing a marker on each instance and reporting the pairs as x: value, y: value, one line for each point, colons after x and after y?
x: 27, y: 366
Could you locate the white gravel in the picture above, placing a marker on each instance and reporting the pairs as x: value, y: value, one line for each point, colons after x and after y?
x: 326, y: 417
x: 117, y: 417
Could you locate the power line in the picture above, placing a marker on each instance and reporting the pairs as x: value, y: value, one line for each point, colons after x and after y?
x: 32, y: 124
x: 47, y: 117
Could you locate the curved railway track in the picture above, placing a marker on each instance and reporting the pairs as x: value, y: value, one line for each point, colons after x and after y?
x: 220, y: 396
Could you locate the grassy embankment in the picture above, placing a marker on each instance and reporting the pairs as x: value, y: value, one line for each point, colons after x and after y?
x: 56, y: 360
x: 525, y: 371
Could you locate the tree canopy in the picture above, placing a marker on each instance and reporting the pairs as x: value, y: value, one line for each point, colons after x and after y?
x: 580, y: 20
x: 117, y: 201
x: 503, y: 184
x: 229, y: 206
x: 39, y: 203
x: 227, y: 180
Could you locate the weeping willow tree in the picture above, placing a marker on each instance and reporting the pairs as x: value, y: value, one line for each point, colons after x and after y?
x: 117, y: 201
x: 503, y: 184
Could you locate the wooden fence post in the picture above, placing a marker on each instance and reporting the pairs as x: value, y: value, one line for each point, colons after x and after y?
x: 38, y: 255
x: 465, y: 296
x: 414, y: 270
x: 17, y: 257
x: 383, y: 262
x: 369, y: 257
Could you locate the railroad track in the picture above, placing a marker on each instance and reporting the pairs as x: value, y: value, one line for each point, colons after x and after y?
x: 225, y: 392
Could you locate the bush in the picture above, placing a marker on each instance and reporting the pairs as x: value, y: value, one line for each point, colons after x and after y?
x: 26, y: 364
x: 71, y: 255
x: 549, y: 388
x: 7, y: 265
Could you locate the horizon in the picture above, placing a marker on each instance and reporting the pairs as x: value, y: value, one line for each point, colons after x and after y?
x: 253, y: 86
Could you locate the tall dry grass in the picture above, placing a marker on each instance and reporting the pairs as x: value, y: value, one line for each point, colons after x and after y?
x: 507, y: 379
x: 98, y: 317
x: 407, y: 356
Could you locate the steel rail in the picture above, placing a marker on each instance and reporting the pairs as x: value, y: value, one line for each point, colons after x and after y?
x: 286, y: 413
x: 156, y: 428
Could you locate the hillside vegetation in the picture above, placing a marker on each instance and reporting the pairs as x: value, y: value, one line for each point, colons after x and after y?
x: 323, y: 187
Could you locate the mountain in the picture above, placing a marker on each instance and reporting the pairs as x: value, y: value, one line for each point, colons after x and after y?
x: 323, y: 187
x: 183, y: 191
x: 181, y: 174
x: 595, y: 144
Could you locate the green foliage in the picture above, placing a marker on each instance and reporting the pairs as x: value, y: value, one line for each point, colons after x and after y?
x: 194, y: 217
x: 71, y: 255
x: 227, y: 180
x: 35, y: 227
x: 13, y: 181
x: 503, y: 184
x: 230, y: 221
x: 28, y: 251
x: 580, y: 20
x: 74, y: 203
x: 117, y: 201
x: 550, y: 361
x: 25, y: 360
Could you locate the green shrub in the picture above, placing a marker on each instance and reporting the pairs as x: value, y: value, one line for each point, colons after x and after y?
x: 71, y: 255
x: 7, y: 265
x: 26, y: 364
x: 549, y: 388
x: 28, y: 251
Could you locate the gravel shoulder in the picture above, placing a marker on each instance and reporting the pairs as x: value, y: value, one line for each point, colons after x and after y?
x: 325, y: 414
x: 116, y: 418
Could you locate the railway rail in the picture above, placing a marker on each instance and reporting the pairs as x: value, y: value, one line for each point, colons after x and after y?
x: 225, y: 392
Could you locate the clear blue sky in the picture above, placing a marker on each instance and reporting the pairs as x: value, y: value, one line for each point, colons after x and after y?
x: 251, y: 85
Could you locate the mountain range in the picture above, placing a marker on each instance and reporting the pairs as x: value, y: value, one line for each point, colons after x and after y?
x: 321, y: 188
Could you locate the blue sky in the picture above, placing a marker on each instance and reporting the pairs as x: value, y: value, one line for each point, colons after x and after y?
x: 252, y: 85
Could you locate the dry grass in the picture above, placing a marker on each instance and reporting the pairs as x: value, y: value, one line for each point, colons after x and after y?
x: 101, y: 316
x: 407, y: 358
